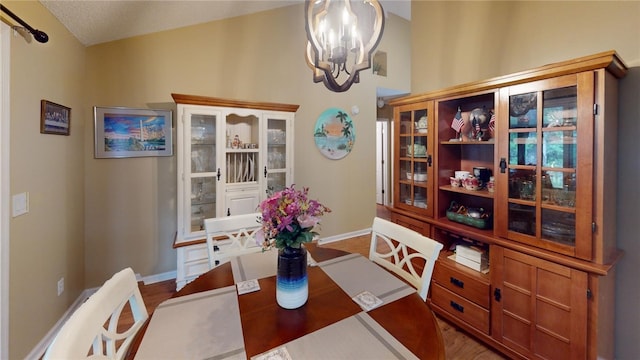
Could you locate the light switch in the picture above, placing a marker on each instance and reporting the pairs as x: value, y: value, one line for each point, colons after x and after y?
x: 20, y: 204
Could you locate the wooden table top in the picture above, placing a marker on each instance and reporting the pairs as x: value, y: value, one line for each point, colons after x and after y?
x: 266, y: 325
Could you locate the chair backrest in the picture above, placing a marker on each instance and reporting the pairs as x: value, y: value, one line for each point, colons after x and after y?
x: 92, y: 330
x: 231, y: 235
x: 403, y: 251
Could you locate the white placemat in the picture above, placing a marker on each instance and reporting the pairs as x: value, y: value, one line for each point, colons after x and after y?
x: 355, y: 274
x: 254, y: 265
x: 356, y: 337
x: 258, y: 265
x: 204, y: 325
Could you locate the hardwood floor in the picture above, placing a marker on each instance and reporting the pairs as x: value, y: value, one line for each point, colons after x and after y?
x: 458, y: 345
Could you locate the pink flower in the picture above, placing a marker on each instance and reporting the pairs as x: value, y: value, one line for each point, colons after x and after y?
x: 308, y: 221
x: 288, y: 218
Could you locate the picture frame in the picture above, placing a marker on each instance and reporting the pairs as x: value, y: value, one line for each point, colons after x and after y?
x: 54, y: 118
x: 121, y: 132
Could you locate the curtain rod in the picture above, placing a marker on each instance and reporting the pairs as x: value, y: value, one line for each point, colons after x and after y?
x: 40, y: 36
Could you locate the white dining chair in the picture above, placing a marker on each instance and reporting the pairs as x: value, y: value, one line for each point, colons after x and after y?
x: 402, y: 251
x: 230, y: 236
x: 92, y: 330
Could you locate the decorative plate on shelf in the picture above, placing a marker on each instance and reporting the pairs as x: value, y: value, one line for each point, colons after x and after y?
x: 334, y: 133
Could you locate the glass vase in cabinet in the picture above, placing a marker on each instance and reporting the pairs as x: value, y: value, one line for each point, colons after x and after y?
x: 413, y: 170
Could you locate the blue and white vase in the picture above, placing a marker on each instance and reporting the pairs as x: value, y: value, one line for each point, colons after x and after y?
x: 292, y: 286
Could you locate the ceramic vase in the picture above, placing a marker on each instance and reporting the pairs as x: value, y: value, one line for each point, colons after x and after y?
x: 292, y: 286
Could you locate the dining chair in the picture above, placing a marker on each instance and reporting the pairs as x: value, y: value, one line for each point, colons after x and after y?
x: 231, y: 235
x: 403, y: 252
x: 92, y: 330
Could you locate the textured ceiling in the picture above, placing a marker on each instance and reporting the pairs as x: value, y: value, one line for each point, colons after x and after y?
x: 97, y: 21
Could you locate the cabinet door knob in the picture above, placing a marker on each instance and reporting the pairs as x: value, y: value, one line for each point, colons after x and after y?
x: 503, y: 165
x: 265, y: 171
x: 497, y: 294
x: 218, y: 174
x: 429, y: 160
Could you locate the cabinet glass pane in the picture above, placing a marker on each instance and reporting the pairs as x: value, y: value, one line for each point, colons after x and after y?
x: 522, y: 219
x: 420, y: 197
x: 560, y: 107
x: 522, y: 184
x: 406, y: 123
x: 559, y: 188
x: 523, y: 148
x: 558, y: 226
x: 276, y: 182
x: 276, y: 144
x: 203, y: 143
x: 523, y: 111
x: 203, y: 201
x: 559, y: 149
x: 405, y: 194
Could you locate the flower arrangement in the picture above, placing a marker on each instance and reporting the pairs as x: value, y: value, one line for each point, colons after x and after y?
x: 288, y: 218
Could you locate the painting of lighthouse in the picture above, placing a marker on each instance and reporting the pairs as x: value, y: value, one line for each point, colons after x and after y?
x: 124, y: 132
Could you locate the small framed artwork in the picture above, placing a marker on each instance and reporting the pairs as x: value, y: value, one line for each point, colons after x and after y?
x: 121, y: 132
x: 54, y: 118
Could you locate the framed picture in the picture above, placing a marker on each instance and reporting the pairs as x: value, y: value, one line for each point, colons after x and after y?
x: 54, y: 118
x: 124, y: 132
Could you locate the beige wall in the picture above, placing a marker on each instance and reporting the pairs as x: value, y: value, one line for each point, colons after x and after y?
x: 48, y: 242
x: 91, y: 217
x: 130, y: 203
x: 458, y: 42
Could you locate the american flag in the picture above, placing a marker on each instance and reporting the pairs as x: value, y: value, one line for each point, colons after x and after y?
x: 457, y: 122
x: 492, y: 122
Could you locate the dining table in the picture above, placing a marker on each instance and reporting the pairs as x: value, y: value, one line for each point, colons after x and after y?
x: 216, y: 317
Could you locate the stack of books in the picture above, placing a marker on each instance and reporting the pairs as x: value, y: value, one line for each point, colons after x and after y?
x: 473, y: 257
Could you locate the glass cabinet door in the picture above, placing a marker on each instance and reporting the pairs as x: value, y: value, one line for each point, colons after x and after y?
x: 276, y: 165
x: 414, y: 160
x: 203, y: 170
x: 545, y: 207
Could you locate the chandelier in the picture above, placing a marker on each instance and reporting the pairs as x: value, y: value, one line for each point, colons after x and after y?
x: 342, y: 35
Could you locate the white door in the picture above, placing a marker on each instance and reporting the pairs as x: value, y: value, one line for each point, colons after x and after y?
x: 382, y: 162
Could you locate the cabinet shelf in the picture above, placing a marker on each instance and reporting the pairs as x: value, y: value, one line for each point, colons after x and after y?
x: 415, y: 183
x: 449, y: 142
x: 461, y: 190
x: 231, y: 150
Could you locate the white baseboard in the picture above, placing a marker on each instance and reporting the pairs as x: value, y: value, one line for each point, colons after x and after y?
x: 38, y: 351
x: 344, y: 236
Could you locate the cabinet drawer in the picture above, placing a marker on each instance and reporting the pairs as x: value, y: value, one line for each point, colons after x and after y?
x: 195, y: 253
x: 414, y: 224
x: 461, y: 308
x: 195, y: 268
x: 466, y: 285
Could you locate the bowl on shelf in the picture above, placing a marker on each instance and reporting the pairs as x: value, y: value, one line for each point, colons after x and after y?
x: 471, y: 183
x: 416, y: 176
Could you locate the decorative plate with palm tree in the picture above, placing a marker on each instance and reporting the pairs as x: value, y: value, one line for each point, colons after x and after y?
x: 334, y: 133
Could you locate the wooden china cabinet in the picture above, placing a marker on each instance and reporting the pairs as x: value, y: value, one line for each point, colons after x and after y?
x: 548, y: 137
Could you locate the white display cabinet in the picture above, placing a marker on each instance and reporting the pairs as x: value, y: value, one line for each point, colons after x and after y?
x: 231, y: 155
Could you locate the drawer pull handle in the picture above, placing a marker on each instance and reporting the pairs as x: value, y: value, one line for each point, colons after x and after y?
x: 456, y: 282
x: 457, y: 306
